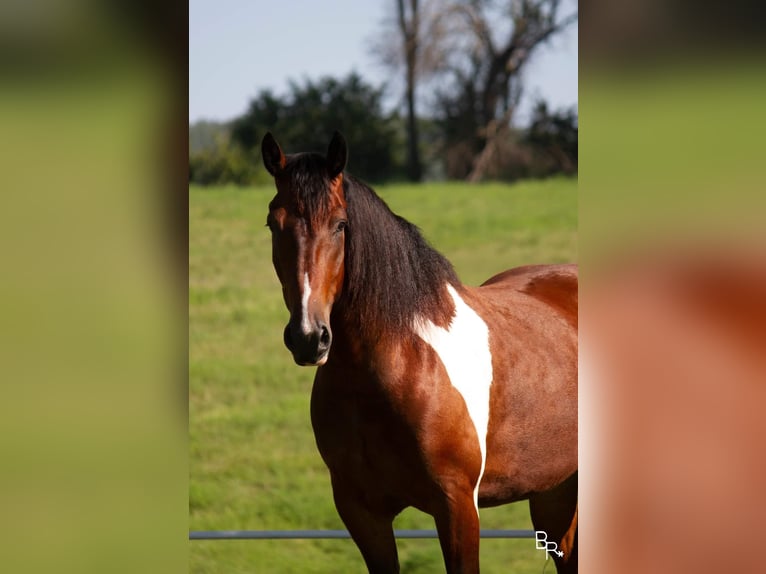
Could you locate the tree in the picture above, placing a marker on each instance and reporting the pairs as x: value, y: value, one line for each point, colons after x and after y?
x: 304, y: 119
x: 263, y: 111
x: 486, y: 48
x: 554, y: 135
x: 415, y: 57
x: 221, y: 163
x: 408, y: 27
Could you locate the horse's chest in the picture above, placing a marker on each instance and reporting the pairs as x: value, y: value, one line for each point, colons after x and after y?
x: 362, y: 436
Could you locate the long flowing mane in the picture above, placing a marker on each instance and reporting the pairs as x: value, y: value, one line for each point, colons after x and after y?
x: 392, y: 273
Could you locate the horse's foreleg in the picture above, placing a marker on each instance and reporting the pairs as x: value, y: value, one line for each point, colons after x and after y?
x: 458, y: 526
x: 372, y: 531
x: 555, y: 512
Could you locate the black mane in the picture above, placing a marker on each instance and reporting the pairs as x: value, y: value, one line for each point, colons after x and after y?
x: 392, y: 274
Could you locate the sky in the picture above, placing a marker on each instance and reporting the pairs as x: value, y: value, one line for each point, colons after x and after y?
x: 239, y: 47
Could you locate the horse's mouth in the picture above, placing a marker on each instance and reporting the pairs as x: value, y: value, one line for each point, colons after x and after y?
x: 317, y: 363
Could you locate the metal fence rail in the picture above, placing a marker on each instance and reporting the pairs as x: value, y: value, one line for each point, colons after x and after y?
x: 326, y: 534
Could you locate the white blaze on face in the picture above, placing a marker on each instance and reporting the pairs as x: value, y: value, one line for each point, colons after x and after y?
x: 305, y: 323
x: 464, y: 350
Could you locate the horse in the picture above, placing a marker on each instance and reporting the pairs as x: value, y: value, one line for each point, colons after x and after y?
x: 428, y: 393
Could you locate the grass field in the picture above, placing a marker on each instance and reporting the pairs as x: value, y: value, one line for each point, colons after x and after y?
x: 253, y: 462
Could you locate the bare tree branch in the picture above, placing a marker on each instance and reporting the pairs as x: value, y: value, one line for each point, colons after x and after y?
x: 472, y: 54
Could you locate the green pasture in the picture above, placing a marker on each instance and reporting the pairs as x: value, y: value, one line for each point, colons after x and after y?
x: 253, y: 462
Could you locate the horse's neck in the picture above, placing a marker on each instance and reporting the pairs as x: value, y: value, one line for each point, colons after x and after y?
x: 366, y: 345
x: 355, y: 341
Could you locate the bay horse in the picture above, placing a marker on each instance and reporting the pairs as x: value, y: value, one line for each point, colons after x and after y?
x: 429, y: 393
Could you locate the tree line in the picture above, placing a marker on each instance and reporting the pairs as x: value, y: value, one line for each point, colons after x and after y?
x: 460, y: 67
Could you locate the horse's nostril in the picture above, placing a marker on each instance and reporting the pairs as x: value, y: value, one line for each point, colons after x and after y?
x: 288, y: 338
x: 324, y: 336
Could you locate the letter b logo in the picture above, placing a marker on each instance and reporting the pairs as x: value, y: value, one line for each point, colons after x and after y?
x: 541, y: 540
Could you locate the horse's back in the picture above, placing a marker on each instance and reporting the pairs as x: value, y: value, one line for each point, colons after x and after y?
x: 553, y: 285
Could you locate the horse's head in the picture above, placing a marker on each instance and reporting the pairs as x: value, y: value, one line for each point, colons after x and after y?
x: 308, y: 222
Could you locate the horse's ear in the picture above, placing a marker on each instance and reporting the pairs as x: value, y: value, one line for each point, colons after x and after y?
x: 273, y: 158
x: 337, y: 154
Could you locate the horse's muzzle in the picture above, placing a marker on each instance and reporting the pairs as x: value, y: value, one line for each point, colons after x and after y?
x: 308, y: 349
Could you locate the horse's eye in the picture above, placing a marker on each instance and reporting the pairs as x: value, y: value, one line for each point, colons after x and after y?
x: 341, y: 225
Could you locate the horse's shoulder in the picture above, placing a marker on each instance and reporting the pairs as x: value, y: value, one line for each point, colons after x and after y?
x: 554, y: 285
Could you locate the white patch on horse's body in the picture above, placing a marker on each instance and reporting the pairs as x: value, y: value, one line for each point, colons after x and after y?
x: 305, y: 323
x: 464, y: 350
